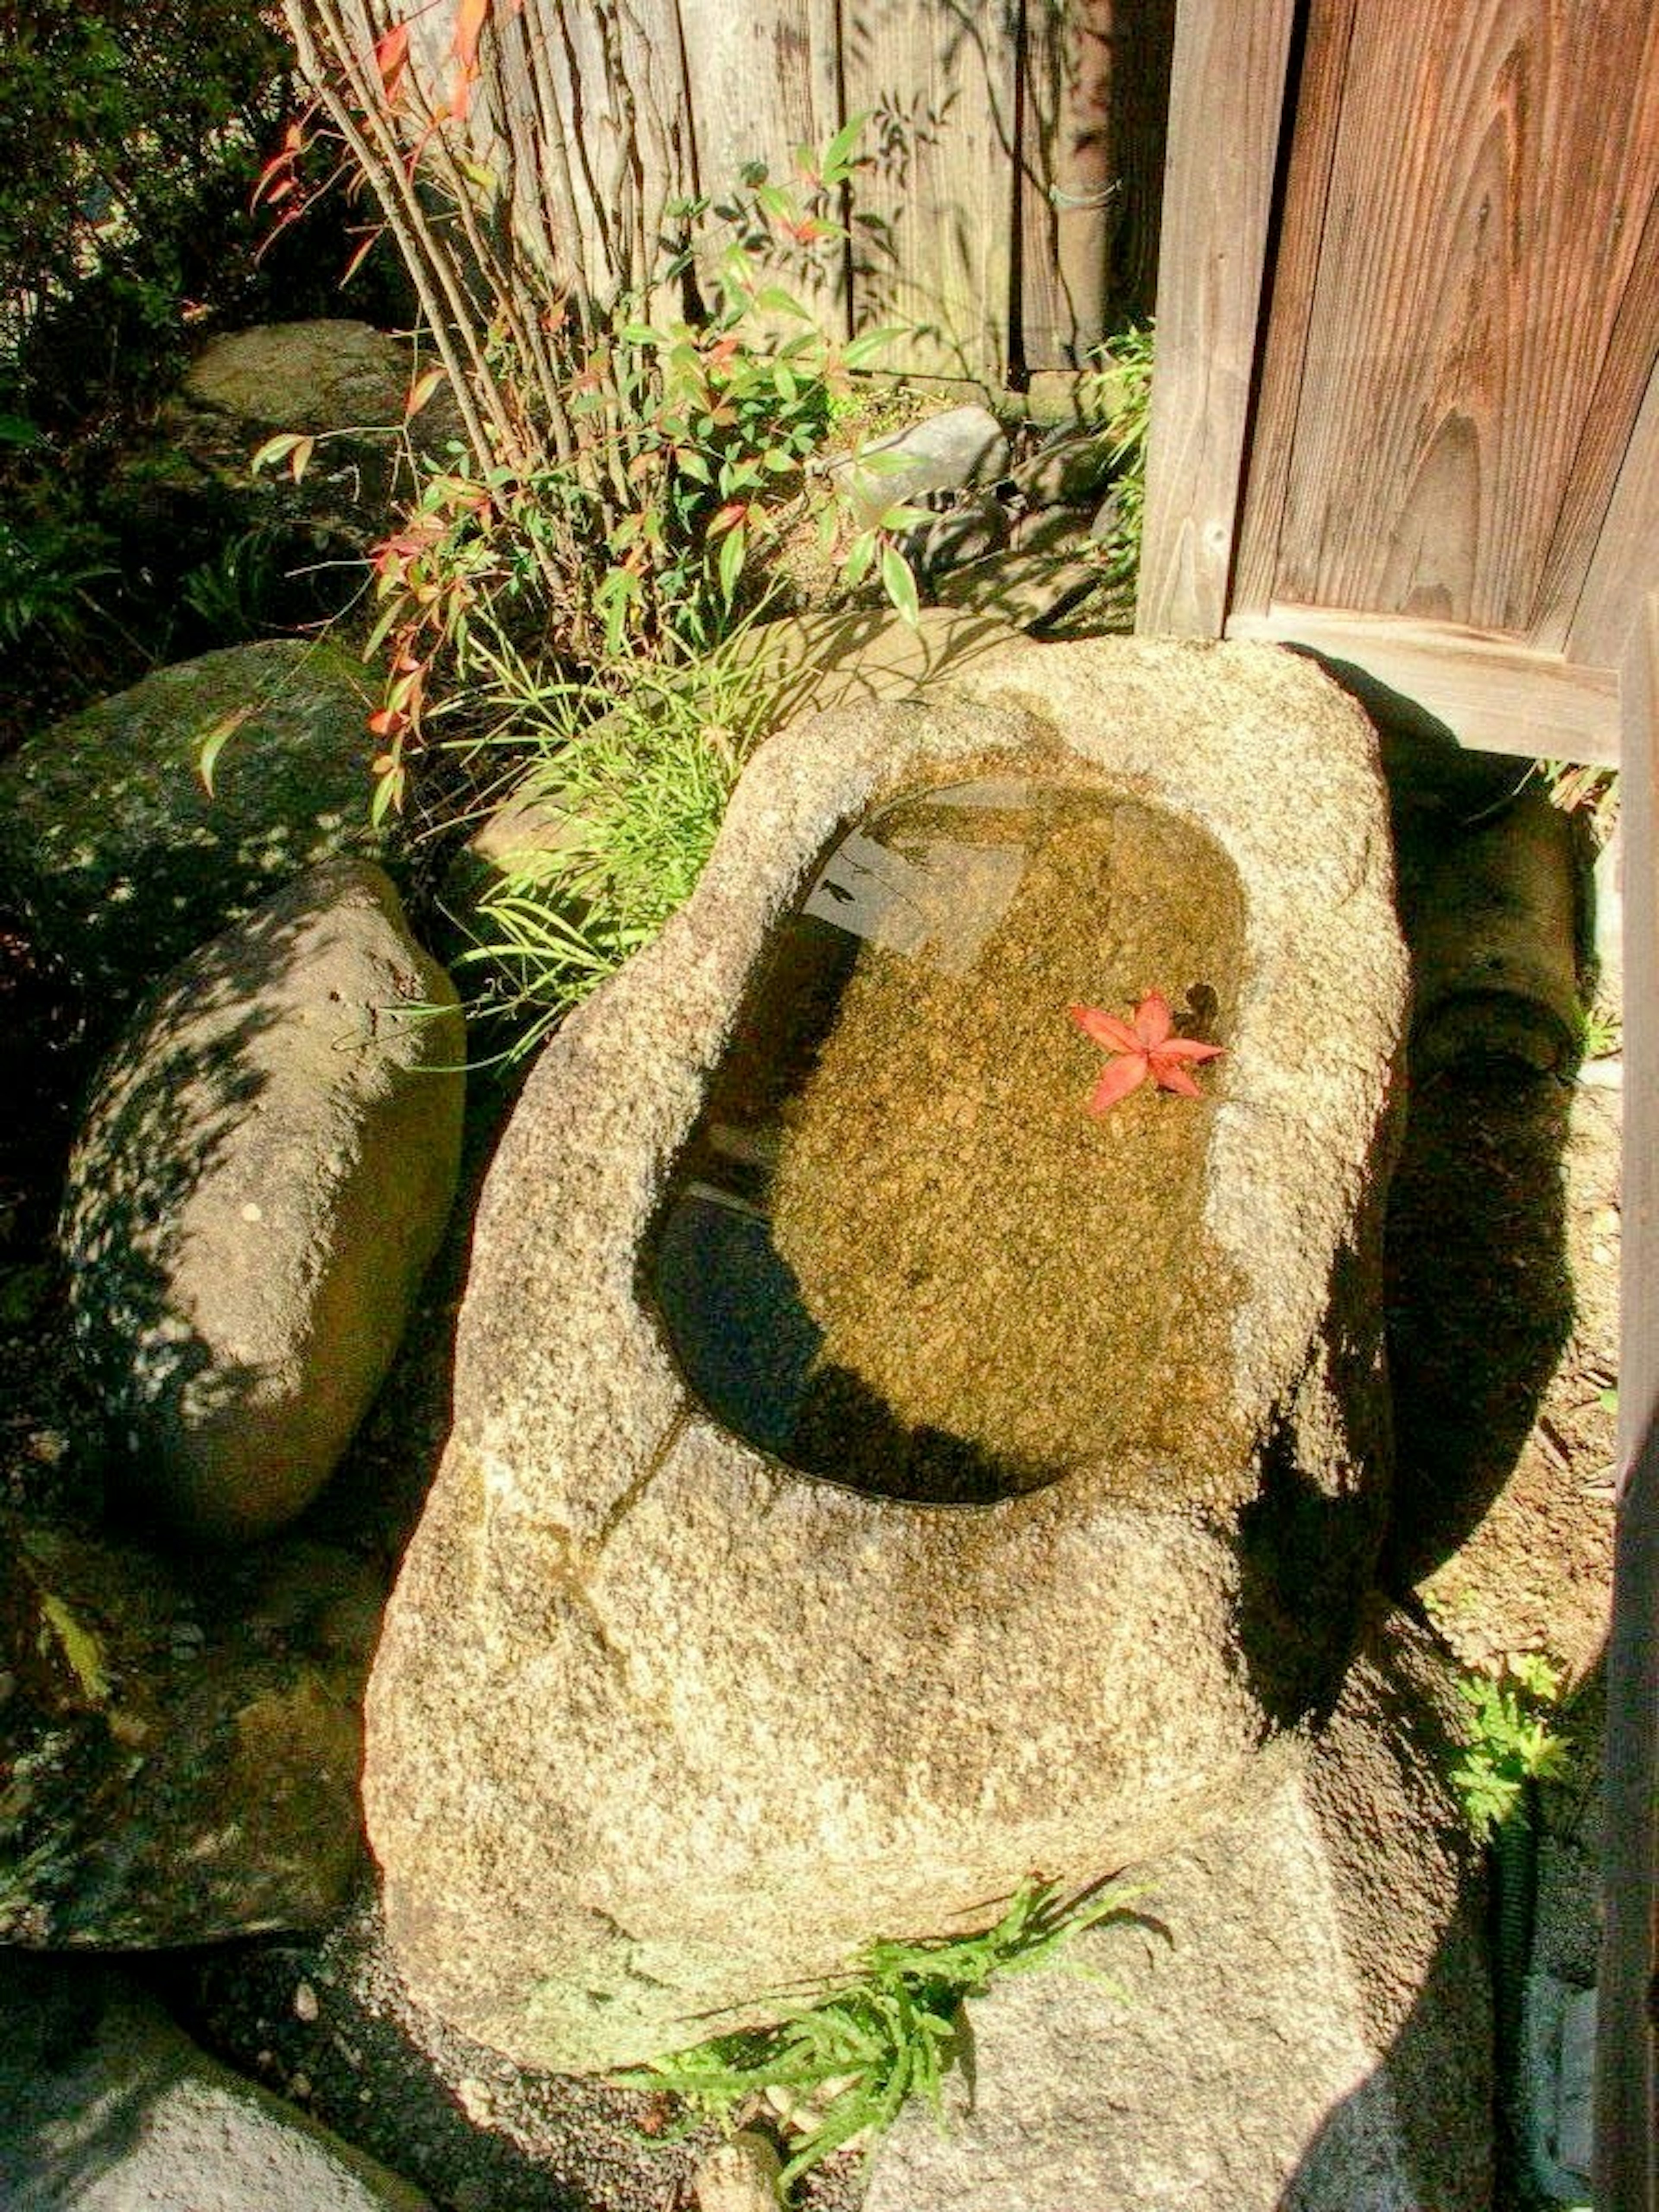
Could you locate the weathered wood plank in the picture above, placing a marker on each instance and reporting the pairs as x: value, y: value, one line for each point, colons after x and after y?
x: 933, y: 214
x: 1477, y: 245
x: 1095, y: 78
x: 1627, y: 2057
x: 1489, y: 692
x: 1226, y: 109
x: 1324, y: 63
x: 762, y: 80
x: 1604, y: 447
x: 1625, y: 565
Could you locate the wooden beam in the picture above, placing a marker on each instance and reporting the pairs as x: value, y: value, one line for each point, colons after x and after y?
x: 1626, y: 2053
x: 1226, y: 114
x: 1490, y: 693
x: 1310, y: 162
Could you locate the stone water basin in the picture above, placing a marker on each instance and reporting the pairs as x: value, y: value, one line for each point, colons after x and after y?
x: 898, y: 1250
x: 873, y: 1478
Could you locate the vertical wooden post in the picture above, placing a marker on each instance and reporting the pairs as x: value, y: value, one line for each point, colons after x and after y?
x: 1226, y: 113
x: 1627, y: 2029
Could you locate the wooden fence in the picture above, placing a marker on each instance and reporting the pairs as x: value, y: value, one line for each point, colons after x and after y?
x: 1009, y: 209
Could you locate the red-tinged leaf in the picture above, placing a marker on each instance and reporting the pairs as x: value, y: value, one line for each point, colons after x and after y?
x: 1126, y: 1073
x: 469, y: 22
x: 420, y: 391
x: 392, y: 57
x: 278, y: 449
x: 361, y: 253
x: 387, y: 722
x: 1105, y: 1029
x: 728, y: 518
x: 1187, y: 1048
x: 300, y: 459
x: 1172, y: 1077
x: 1152, y: 1019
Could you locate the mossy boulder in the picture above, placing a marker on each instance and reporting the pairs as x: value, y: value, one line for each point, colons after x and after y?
x: 263, y: 1176
x: 120, y: 859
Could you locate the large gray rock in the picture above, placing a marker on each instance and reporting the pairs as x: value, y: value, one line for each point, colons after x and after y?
x: 1309, y: 2031
x: 120, y: 859
x: 943, y: 453
x: 260, y: 1181
x: 181, y: 1752
x: 333, y: 374
x: 107, y: 2107
x: 660, y: 1725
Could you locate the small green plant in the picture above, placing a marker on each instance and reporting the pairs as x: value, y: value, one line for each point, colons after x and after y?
x: 629, y: 771
x: 1121, y: 391
x: 849, y: 2061
x: 1601, y: 1032
x: 232, y: 593
x: 1510, y: 1742
x: 45, y: 570
x: 1580, y: 788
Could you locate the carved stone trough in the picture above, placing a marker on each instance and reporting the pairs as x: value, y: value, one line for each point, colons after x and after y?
x: 876, y: 1478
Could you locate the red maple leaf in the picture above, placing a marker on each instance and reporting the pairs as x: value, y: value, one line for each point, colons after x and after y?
x: 1146, y: 1049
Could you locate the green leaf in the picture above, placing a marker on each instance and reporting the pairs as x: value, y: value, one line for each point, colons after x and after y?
x: 898, y: 581
x: 836, y: 166
x: 732, y: 557
x: 289, y: 445
x: 775, y: 301
x: 859, y: 555
x: 208, y: 751
x: 861, y: 350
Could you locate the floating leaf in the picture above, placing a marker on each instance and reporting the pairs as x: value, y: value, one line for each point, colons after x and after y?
x: 1146, y: 1049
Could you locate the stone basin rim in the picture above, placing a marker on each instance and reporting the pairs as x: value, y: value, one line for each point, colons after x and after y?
x: 666, y: 1019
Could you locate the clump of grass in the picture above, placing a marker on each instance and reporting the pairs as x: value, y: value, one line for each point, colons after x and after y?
x: 1122, y: 394
x: 850, y: 2061
x: 629, y: 772
x: 1510, y: 1743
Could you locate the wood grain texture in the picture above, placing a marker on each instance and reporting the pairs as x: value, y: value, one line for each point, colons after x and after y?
x: 1095, y: 76
x: 615, y: 67
x: 1604, y: 444
x: 933, y: 214
x: 1628, y: 2059
x: 763, y: 79
x: 1324, y: 64
x: 1489, y: 692
x: 1225, y: 112
x: 1625, y: 567
x: 1493, y: 167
